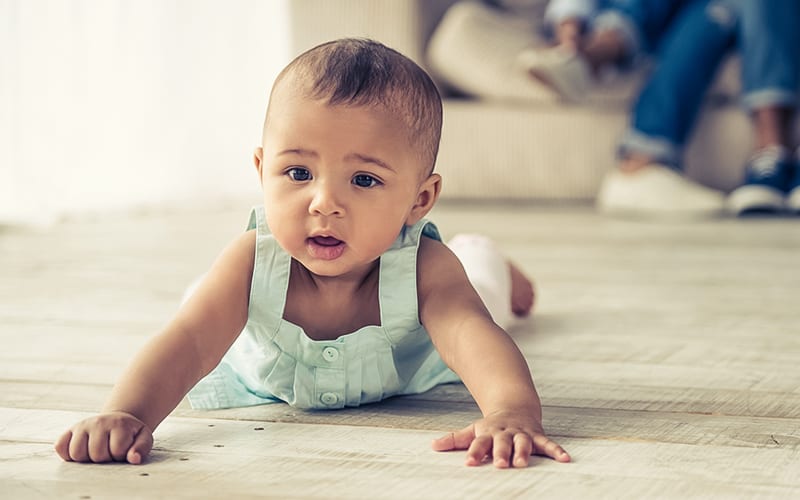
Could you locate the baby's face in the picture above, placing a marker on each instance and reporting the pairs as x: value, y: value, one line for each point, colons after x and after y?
x: 339, y: 182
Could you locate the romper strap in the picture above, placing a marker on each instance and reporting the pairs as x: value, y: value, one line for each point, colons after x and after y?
x: 398, y: 280
x: 270, y: 282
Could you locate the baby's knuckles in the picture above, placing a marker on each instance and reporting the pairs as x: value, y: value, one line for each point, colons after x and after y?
x: 497, y: 425
x: 511, y: 434
x: 100, y: 427
x: 106, y: 422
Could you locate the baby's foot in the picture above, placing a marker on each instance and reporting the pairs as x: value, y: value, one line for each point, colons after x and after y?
x: 522, y: 294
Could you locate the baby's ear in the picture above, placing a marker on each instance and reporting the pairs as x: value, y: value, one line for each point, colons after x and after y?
x: 426, y: 198
x: 258, y: 159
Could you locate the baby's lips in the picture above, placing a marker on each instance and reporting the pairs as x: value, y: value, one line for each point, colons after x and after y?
x: 326, y: 241
x: 325, y: 247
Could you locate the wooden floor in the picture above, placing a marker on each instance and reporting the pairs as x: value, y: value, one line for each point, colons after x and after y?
x: 667, y: 357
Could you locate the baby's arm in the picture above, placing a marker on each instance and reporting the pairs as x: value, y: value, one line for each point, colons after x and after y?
x: 170, y: 364
x: 488, y: 362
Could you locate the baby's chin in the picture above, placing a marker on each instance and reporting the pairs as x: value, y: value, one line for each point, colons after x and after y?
x: 321, y: 267
x: 338, y: 268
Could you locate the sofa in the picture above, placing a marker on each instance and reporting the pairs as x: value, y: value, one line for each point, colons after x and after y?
x: 505, y: 137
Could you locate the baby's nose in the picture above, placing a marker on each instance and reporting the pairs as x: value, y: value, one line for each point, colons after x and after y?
x: 326, y: 201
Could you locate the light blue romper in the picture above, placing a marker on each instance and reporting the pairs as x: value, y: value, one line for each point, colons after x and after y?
x: 274, y: 360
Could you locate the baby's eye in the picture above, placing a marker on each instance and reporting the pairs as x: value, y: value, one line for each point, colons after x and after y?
x: 365, y: 181
x: 299, y: 174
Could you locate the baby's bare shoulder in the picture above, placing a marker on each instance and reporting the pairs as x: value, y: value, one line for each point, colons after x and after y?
x: 433, y: 253
x: 234, y: 265
x: 438, y: 267
x: 241, y: 250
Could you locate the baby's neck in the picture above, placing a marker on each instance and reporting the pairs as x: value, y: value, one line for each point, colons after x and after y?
x: 347, y: 285
x: 328, y: 307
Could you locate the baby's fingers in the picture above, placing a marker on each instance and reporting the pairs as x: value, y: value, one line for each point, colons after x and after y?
x: 459, y: 440
x: 480, y: 448
x: 502, y: 446
x: 119, y: 442
x: 542, y: 445
x: 62, y: 446
x: 79, y: 447
x: 511, y: 449
x: 523, y: 448
x: 98, y: 446
x: 131, y: 445
x: 142, y: 444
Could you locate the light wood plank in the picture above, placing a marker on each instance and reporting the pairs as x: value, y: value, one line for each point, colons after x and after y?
x: 665, y: 355
x: 196, y: 456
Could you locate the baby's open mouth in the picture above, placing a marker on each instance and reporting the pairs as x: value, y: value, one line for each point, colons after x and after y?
x: 326, y: 241
x: 325, y: 247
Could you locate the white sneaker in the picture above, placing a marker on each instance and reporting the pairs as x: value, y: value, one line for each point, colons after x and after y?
x: 564, y: 71
x: 793, y: 200
x: 657, y: 191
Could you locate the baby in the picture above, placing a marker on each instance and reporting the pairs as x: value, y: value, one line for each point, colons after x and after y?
x: 340, y: 293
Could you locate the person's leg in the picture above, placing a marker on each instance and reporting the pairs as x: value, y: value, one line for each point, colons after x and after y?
x: 506, y: 292
x: 626, y: 29
x: 591, y: 36
x: 769, y: 179
x: 664, y: 114
x: 565, y: 21
x: 569, y: 34
x: 560, y: 67
x: 668, y: 105
x: 768, y: 43
x: 772, y: 123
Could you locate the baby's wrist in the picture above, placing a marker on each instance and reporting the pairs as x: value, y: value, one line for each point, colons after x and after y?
x: 532, y: 411
x: 124, y: 414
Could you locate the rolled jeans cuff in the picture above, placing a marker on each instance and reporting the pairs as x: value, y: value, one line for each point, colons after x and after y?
x: 769, y: 98
x: 611, y: 20
x: 559, y: 11
x: 661, y: 150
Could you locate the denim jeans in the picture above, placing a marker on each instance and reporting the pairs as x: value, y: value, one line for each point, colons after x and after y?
x: 689, y: 53
x: 641, y: 23
x: 689, y: 39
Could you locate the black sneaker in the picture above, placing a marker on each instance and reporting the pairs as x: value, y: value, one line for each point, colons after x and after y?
x: 767, y: 177
x: 793, y: 198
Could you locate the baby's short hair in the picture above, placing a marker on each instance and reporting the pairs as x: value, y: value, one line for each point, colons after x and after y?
x: 363, y: 72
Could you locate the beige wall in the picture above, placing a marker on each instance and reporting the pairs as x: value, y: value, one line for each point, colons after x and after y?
x: 113, y: 104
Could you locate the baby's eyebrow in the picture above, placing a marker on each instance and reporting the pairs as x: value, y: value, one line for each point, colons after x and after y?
x: 298, y: 151
x: 350, y: 157
x: 369, y: 159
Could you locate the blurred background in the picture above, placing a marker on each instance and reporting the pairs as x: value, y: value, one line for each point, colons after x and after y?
x: 120, y: 104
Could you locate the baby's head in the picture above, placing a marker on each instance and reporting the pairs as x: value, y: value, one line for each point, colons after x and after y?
x: 360, y: 72
x: 348, y: 149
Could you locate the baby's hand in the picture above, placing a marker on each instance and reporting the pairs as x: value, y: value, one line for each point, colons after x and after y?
x: 115, y: 436
x: 510, y: 438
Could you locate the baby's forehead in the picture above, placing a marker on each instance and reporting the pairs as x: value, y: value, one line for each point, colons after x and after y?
x: 286, y: 95
x: 296, y: 85
x: 295, y: 88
